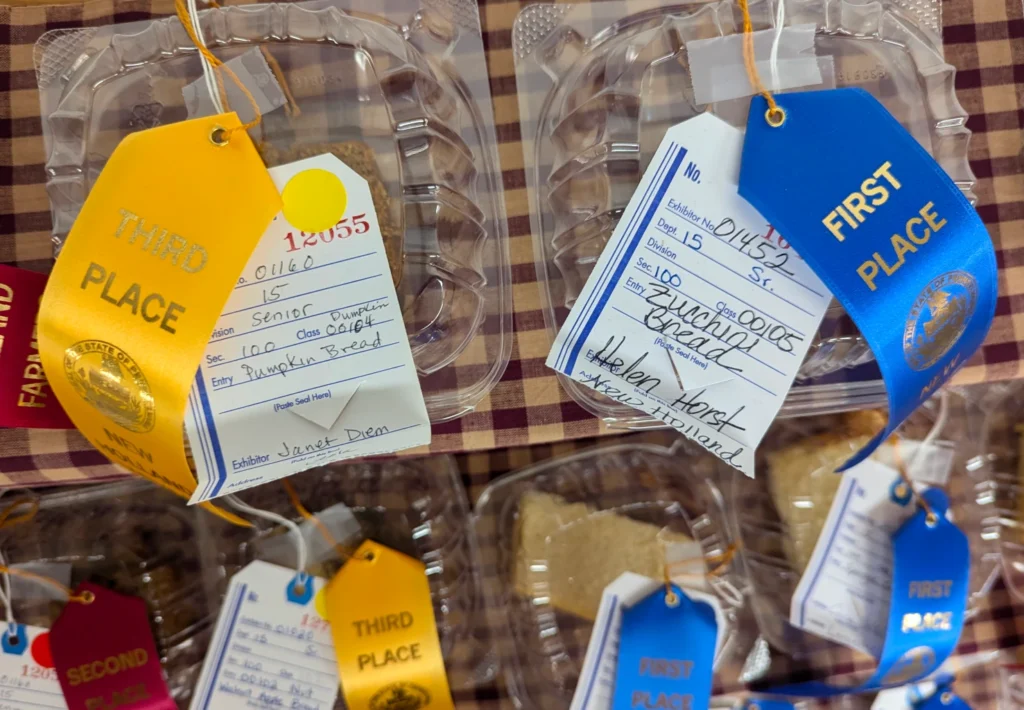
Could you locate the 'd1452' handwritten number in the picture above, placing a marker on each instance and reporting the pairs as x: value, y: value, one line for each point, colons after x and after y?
x: 344, y: 229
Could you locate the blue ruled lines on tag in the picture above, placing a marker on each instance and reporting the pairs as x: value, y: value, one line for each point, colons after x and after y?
x: 309, y: 362
x: 612, y: 273
x: 919, y: 592
x: 268, y: 650
x: 697, y: 313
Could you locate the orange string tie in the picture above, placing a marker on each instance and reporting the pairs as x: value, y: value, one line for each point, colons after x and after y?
x: 671, y: 598
x: 220, y: 136
x: 721, y: 560
x: 931, y: 518
x: 85, y: 597
x: 775, y: 115
x: 293, y: 496
x: 9, y: 518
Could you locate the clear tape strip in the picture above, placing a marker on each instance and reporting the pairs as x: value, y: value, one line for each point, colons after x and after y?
x: 718, y: 73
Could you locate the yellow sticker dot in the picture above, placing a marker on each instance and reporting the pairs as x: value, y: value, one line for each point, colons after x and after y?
x: 320, y: 603
x: 314, y: 200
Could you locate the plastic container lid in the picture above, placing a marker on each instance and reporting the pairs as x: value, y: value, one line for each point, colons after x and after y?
x: 555, y: 534
x: 415, y: 506
x: 400, y: 95
x: 779, y: 514
x: 600, y: 84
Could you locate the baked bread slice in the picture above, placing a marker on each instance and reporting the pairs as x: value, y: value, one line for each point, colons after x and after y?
x: 803, y: 481
x: 569, y: 552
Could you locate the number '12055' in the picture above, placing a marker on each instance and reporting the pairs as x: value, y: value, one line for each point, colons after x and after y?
x: 342, y: 230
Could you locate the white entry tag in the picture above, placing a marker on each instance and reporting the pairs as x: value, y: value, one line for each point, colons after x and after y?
x: 596, y: 685
x: 271, y: 648
x: 697, y: 313
x: 27, y: 676
x: 309, y: 362
x: 844, y: 593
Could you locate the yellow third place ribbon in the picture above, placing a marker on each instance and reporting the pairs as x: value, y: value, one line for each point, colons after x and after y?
x: 385, y: 634
x: 133, y: 298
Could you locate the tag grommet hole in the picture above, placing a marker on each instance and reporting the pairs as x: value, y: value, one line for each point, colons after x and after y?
x: 901, y: 490
x: 946, y: 698
x: 775, y: 116
x: 87, y: 597
x: 219, y: 136
x: 369, y: 557
x: 299, y: 589
x: 931, y: 520
x: 672, y: 600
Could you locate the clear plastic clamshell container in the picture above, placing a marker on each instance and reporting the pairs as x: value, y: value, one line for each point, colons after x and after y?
x: 554, y: 535
x: 133, y: 538
x: 780, y: 514
x: 600, y: 84
x: 1001, y: 461
x: 397, y: 91
x: 415, y: 506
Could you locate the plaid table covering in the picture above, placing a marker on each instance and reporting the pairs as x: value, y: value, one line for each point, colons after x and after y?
x: 984, y: 39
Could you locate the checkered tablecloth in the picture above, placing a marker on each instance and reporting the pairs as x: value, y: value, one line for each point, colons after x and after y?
x: 984, y: 40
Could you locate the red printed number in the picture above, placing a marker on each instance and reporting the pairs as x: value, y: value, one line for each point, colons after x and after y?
x: 342, y: 230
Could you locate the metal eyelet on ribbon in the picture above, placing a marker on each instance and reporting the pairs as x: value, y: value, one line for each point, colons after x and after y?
x: 775, y: 116
x: 219, y: 136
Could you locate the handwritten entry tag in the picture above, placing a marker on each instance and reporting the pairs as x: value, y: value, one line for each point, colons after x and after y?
x: 105, y: 655
x: 27, y: 676
x: 309, y: 362
x: 270, y: 648
x: 698, y: 313
x: 844, y: 593
x: 385, y: 634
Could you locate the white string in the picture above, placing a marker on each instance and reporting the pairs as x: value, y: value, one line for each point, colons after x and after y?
x: 6, y: 597
x: 773, y: 62
x: 209, y: 74
x: 940, y: 420
x: 937, y: 427
x: 300, y: 541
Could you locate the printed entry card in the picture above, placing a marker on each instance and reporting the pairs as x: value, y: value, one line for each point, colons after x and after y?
x: 309, y: 362
x: 698, y: 312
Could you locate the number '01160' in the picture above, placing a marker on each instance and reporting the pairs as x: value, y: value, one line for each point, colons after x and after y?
x: 344, y: 229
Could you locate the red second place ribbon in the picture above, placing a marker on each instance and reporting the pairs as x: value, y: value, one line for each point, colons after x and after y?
x: 26, y: 400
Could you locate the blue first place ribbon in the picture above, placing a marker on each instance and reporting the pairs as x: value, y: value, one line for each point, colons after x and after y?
x: 666, y: 653
x: 884, y: 227
x: 931, y: 567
